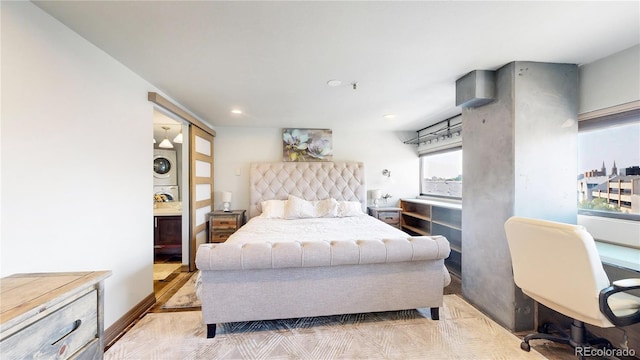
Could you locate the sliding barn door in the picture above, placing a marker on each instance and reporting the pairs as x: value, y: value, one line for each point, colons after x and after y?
x: 201, y: 188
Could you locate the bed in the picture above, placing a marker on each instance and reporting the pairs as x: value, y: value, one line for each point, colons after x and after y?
x: 309, y: 249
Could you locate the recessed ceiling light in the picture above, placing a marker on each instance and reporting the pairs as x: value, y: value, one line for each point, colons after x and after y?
x: 389, y: 116
x: 236, y: 111
x: 334, y: 83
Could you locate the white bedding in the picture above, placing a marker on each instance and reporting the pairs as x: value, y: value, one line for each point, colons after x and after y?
x: 315, y: 229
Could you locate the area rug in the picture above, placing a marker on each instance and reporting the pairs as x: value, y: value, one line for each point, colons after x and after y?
x: 461, y: 333
x: 185, y: 297
x: 162, y: 271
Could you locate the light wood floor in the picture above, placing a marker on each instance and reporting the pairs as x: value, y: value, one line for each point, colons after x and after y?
x: 550, y: 350
x: 165, y: 289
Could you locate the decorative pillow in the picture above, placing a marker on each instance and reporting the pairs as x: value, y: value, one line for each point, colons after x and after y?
x: 350, y: 208
x: 326, y: 208
x: 297, y: 208
x: 273, y: 209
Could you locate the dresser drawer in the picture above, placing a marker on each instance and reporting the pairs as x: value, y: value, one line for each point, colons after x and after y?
x: 59, y: 335
x: 224, y: 223
x: 390, y: 217
x: 217, y: 237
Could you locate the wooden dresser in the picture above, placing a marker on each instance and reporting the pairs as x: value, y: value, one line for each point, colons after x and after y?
x: 52, y: 315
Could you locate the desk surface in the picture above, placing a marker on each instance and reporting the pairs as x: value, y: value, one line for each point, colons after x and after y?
x: 619, y: 255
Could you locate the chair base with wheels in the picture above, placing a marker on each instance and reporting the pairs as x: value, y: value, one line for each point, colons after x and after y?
x: 576, y: 337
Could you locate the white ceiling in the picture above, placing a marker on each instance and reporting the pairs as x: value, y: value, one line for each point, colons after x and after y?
x: 273, y: 59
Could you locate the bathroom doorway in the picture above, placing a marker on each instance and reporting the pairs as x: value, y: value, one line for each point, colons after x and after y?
x: 197, y: 175
x: 171, y: 217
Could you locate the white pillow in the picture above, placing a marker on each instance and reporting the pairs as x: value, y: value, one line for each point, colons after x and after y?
x: 349, y: 208
x: 326, y: 208
x: 297, y: 208
x: 273, y: 209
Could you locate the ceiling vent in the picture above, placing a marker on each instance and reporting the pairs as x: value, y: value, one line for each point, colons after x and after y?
x: 476, y: 88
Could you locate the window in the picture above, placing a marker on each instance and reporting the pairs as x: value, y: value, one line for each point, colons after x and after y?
x: 609, y: 170
x: 441, y: 174
x: 608, y: 179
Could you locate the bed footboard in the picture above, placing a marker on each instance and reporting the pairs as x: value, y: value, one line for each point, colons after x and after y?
x: 253, y: 256
x: 262, y: 281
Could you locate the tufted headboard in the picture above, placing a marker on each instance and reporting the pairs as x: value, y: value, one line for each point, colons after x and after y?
x: 341, y: 180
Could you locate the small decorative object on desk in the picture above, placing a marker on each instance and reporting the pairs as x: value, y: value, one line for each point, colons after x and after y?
x: 386, y: 197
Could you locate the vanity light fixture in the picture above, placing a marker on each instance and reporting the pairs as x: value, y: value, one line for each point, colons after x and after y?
x: 178, y: 138
x: 165, y: 144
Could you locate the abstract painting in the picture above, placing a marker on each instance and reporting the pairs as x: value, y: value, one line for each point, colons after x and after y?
x: 307, y: 145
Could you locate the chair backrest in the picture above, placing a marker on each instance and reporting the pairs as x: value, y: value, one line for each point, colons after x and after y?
x: 558, y: 265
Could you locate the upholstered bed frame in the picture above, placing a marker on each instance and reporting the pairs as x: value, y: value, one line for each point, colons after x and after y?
x: 262, y: 281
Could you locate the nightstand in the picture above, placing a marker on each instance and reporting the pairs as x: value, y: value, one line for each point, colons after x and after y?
x: 224, y: 223
x: 387, y: 214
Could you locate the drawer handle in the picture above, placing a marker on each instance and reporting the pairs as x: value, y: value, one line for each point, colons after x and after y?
x: 389, y: 218
x: 76, y: 325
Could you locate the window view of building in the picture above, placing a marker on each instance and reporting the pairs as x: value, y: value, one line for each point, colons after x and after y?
x: 441, y: 174
x: 609, y: 169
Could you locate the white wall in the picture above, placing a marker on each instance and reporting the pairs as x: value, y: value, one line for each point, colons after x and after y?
x: 237, y: 147
x: 76, y: 163
x: 610, y: 81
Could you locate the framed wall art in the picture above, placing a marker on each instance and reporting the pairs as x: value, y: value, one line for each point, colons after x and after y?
x: 307, y: 145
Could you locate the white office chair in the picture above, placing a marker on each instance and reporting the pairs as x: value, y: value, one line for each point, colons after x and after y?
x: 558, y: 266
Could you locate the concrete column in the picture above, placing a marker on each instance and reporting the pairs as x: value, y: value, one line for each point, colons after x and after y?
x: 519, y: 158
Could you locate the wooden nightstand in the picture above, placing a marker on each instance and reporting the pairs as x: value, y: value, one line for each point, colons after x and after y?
x: 389, y: 215
x: 224, y: 223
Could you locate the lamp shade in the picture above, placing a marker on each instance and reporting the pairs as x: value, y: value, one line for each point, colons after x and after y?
x: 376, y: 194
x: 226, y: 196
x: 178, y: 138
x: 166, y: 144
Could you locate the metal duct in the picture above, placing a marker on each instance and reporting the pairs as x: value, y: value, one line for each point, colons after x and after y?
x: 476, y: 88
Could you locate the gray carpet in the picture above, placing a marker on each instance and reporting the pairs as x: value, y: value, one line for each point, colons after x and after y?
x: 462, y: 333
